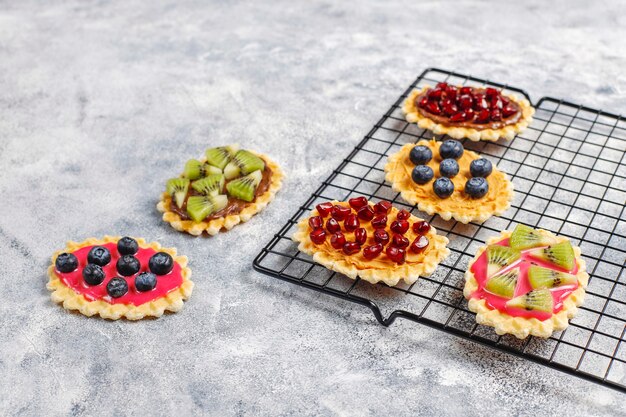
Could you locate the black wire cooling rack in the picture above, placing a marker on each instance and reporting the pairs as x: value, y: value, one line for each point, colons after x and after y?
x: 569, y: 174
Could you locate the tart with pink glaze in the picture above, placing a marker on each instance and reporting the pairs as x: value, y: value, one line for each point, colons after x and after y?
x: 526, y: 282
x: 118, y: 277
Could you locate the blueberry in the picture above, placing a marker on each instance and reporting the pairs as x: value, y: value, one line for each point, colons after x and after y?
x: 99, y: 255
x: 422, y: 174
x: 93, y: 274
x: 117, y: 287
x: 127, y: 246
x: 448, y: 168
x: 476, y: 187
x: 66, y: 262
x: 145, y: 281
x: 128, y: 265
x: 443, y: 187
x: 451, y: 149
x: 161, y: 263
x: 480, y: 168
x: 420, y: 155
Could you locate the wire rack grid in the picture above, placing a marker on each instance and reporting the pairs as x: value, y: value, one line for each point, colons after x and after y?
x: 569, y: 174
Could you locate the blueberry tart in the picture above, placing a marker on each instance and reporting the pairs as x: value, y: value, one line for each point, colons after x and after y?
x: 454, y: 182
x: 526, y: 282
x: 226, y: 187
x: 376, y: 242
x: 468, y: 112
x: 119, y: 277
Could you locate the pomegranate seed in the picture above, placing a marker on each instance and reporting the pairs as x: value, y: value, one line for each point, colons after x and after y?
x: 450, y: 109
x: 395, y: 254
x: 318, y: 236
x: 337, y: 240
x: 419, y: 244
x: 496, y: 114
x: 382, y: 207
x: 466, y: 90
x: 483, y: 116
x: 358, y: 202
x: 316, y: 222
x: 370, y: 252
x: 442, y: 86
x: 496, y: 103
x: 421, y: 227
x: 332, y: 226
x: 352, y: 223
x: 435, y: 94
x: 399, y: 226
x: 491, y: 92
x: 423, y: 102
x: 505, y: 100
x: 379, y: 221
x: 351, y: 248
x: 458, y: 117
x: 433, y: 107
x: 366, y: 213
x: 508, y: 110
x: 480, y: 102
x: 340, y: 212
x: 466, y: 101
x: 360, y: 236
x: 324, y: 208
x: 451, y: 92
x: 381, y: 236
x: 403, y: 215
x: 400, y: 241
x: 469, y: 114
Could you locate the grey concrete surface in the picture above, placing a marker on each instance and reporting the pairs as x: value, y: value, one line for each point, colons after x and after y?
x: 101, y: 101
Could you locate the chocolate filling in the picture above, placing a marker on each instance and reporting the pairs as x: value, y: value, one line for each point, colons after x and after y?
x: 444, y: 120
x: 234, y: 205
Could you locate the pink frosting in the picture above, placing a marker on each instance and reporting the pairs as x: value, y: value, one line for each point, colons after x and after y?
x: 559, y: 294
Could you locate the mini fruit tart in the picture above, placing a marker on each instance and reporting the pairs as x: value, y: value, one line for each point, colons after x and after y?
x: 119, y: 277
x: 444, y: 178
x: 528, y: 282
x: 468, y: 112
x: 226, y: 187
x: 376, y: 242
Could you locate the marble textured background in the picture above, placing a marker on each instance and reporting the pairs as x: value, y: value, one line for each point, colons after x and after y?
x: 101, y: 101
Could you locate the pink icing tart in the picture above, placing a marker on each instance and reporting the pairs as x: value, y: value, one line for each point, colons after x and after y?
x: 119, y: 277
x: 526, y: 282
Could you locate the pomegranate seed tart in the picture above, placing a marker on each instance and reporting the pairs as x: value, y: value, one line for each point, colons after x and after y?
x: 119, y: 277
x: 526, y: 282
x: 444, y: 178
x: 226, y: 187
x: 468, y: 112
x: 376, y: 242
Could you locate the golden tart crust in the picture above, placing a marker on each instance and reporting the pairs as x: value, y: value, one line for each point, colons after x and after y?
x: 508, y: 132
x: 458, y: 206
x: 380, y: 269
x: 522, y: 327
x: 214, y: 226
x: 72, y: 300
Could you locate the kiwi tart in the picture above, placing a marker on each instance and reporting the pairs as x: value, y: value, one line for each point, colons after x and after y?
x: 526, y: 282
x: 117, y: 277
x: 227, y: 186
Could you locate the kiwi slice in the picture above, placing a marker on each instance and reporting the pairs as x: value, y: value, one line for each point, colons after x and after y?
x: 220, y: 156
x: 201, y: 206
x: 541, y: 278
x: 195, y: 169
x: 499, y: 257
x: 503, y: 285
x: 536, y: 300
x: 244, y: 188
x: 243, y: 163
x: 177, y: 188
x: 211, y: 185
x: 525, y: 237
x: 561, y: 254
